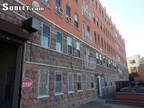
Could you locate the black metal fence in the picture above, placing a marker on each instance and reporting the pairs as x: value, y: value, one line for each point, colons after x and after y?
x: 123, y: 84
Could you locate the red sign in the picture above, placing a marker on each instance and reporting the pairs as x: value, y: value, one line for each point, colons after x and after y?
x: 27, y: 85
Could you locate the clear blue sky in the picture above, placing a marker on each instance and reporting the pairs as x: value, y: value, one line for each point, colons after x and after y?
x: 128, y: 15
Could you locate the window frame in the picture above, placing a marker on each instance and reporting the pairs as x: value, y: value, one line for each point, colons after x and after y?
x: 76, y: 23
x: 78, y: 51
x: 70, y: 74
x: 70, y: 45
x: 57, y: 41
x: 62, y: 81
x: 47, y: 4
x: 58, y: 5
x: 43, y: 36
x: 79, y: 90
x: 39, y: 75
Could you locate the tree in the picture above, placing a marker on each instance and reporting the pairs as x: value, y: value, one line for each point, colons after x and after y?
x: 132, y: 75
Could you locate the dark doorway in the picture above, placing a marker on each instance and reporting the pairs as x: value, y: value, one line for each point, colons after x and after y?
x: 9, y: 74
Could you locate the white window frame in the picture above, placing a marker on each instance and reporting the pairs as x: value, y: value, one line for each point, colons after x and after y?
x: 92, y: 80
x: 78, y: 49
x: 58, y: 93
x: 79, y: 90
x: 42, y: 36
x: 69, y: 44
x: 88, y: 86
x: 70, y: 74
x: 39, y: 75
x: 56, y: 41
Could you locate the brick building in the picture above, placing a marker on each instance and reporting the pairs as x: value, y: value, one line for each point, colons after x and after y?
x: 141, y: 72
x: 62, y: 56
x: 136, y: 64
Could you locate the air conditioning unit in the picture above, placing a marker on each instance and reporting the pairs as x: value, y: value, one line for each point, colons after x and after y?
x: 31, y: 24
x: 68, y: 18
x: 59, y: 10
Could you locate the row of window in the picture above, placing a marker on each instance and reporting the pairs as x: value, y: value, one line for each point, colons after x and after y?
x: 71, y: 46
x: 85, y: 12
x: 46, y: 38
x: 102, y: 60
x: 43, y: 83
x: 60, y: 11
x: 101, y: 42
x: 86, y: 29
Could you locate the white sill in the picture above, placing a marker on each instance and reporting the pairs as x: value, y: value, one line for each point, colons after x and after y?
x: 70, y: 92
x: 80, y: 90
x: 58, y: 94
x: 40, y: 97
x: 90, y: 89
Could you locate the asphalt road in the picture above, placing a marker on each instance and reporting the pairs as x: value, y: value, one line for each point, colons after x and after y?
x: 101, y: 104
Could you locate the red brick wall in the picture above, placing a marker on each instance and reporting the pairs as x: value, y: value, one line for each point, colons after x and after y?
x: 98, y: 9
x: 141, y: 72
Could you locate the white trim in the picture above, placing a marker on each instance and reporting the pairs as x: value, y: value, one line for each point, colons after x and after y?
x: 58, y: 94
x: 79, y: 74
x: 39, y: 75
x: 72, y: 74
x: 42, y: 64
x: 69, y: 45
x: 60, y: 72
x: 70, y: 92
x: 79, y: 90
x: 41, y: 36
x: 62, y: 41
x: 44, y: 96
x: 54, y: 50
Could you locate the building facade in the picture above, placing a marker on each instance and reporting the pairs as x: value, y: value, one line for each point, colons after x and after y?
x: 75, y: 55
x: 136, y: 64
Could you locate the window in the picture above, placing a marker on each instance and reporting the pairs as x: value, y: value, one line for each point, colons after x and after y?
x: 101, y: 42
x: 68, y: 13
x: 97, y: 58
x: 77, y: 49
x: 85, y: 8
x: 95, y: 37
x: 43, y: 83
x: 70, y: 82
x: 58, y: 3
x: 98, y: 39
x: 59, y: 42
x: 46, y: 36
x: 58, y: 83
x: 69, y: 45
x: 86, y: 33
x: 92, y: 81
x: 76, y: 1
x: 79, y: 82
x: 100, y: 57
x: 76, y: 20
x: 46, y: 2
x: 87, y: 82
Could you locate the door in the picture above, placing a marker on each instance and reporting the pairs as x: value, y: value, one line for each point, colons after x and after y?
x: 99, y: 86
x: 8, y: 74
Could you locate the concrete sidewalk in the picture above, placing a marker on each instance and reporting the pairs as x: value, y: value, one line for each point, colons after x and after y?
x: 100, y: 103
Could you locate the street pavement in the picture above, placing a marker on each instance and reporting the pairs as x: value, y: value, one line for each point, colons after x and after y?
x: 100, y: 103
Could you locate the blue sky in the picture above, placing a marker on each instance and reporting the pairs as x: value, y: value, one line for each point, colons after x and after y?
x: 128, y: 15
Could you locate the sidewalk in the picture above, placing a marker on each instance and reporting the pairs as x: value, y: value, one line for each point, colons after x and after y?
x: 100, y: 103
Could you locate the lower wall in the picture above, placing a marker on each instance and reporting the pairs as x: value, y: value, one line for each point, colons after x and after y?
x: 30, y: 100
